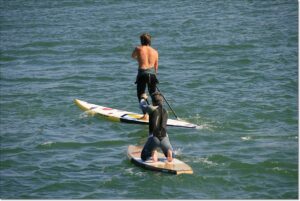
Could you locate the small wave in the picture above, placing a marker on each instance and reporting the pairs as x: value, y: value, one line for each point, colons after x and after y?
x: 12, y: 150
x: 58, y: 186
x: 7, y: 58
x: 134, y: 171
x: 277, y: 169
x: 200, y: 122
x: 178, y: 151
x: 246, y: 138
x: 205, y: 161
x: 28, y: 79
x: 7, y: 164
x: 49, y: 143
x: 72, y: 145
x: 200, y: 127
x: 50, y: 43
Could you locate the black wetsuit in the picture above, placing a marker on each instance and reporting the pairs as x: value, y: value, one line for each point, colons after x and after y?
x: 158, y: 136
x: 158, y: 122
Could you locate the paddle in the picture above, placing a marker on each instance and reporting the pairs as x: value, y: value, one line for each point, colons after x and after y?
x: 168, y: 104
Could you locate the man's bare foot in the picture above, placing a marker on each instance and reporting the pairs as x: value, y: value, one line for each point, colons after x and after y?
x: 170, y: 156
x: 145, y: 117
x: 154, y: 156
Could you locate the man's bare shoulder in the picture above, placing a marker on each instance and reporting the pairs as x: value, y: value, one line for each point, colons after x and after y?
x: 146, y: 49
x: 138, y: 47
x: 154, y: 50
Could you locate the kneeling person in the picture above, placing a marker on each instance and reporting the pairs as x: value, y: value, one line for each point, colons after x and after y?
x: 158, y: 137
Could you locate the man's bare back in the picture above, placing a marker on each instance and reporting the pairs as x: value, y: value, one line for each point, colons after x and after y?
x: 146, y: 56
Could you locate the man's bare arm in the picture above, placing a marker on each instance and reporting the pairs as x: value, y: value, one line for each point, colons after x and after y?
x: 156, y: 65
x: 134, y: 53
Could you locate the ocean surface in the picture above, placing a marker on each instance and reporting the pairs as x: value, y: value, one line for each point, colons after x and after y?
x: 229, y: 66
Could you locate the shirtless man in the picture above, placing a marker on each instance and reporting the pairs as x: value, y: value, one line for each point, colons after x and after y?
x: 147, y: 58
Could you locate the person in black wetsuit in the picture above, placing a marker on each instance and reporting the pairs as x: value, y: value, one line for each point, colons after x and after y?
x: 158, y: 137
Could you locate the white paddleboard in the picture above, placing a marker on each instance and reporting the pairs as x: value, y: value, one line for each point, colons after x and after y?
x: 124, y: 116
x: 162, y: 165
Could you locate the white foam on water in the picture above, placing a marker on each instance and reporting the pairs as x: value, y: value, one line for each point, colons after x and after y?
x: 246, y: 138
x: 86, y: 114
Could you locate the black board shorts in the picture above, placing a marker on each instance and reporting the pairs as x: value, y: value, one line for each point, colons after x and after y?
x: 145, y: 78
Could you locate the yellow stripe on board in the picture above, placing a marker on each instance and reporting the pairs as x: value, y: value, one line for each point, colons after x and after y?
x: 115, y: 119
x: 136, y: 116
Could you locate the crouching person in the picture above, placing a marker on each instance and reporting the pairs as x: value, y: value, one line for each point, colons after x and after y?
x: 158, y: 137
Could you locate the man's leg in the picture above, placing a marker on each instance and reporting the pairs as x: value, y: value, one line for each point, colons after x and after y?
x: 141, y: 88
x: 152, y: 81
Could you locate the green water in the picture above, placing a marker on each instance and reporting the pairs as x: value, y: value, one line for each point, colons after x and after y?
x: 229, y: 66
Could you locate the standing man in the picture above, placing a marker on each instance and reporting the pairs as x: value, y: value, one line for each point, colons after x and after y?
x: 147, y: 58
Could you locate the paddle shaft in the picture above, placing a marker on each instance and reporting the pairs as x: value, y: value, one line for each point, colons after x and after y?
x: 167, y: 103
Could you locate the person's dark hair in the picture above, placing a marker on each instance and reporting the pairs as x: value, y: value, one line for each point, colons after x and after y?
x: 145, y: 39
x: 157, y: 98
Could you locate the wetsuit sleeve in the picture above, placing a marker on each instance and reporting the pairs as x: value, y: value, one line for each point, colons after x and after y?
x: 165, y: 120
x: 146, y: 108
x: 143, y: 105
